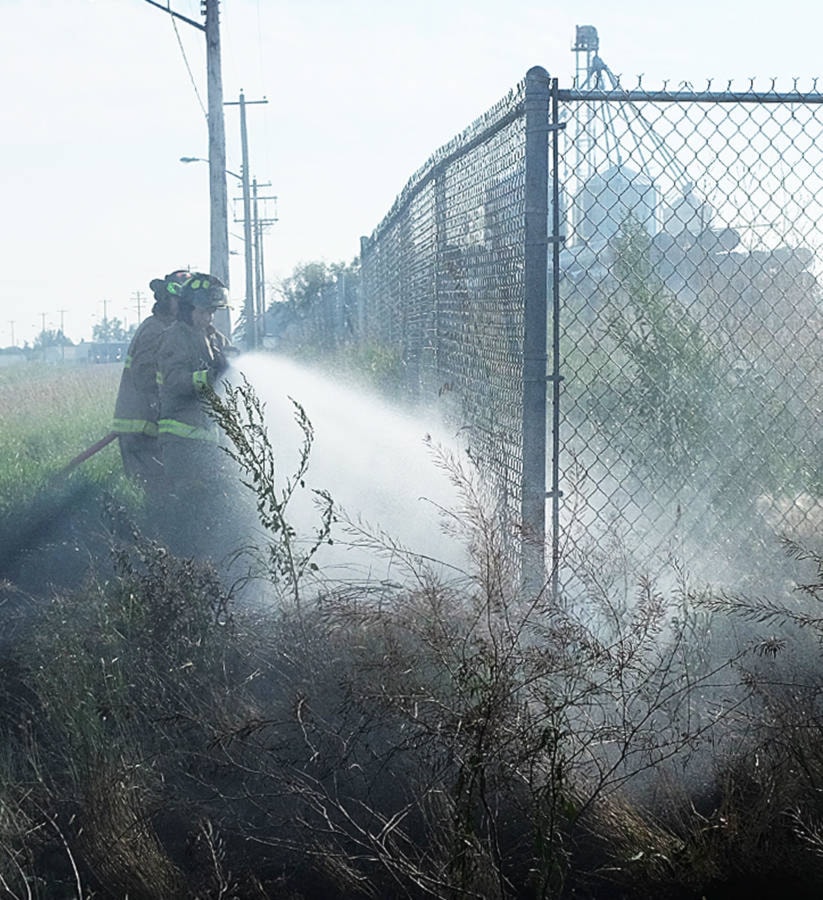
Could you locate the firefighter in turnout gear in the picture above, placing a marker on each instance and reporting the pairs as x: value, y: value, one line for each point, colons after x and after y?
x: 136, y: 407
x: 192, y: 358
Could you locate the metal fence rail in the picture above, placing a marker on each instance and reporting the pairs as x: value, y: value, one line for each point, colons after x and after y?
x: 645, y: 265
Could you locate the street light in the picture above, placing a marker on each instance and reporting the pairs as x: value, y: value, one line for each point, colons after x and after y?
x: 190, y: 159
x: 251, y: 321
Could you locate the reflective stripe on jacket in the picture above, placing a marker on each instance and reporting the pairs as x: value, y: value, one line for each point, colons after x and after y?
x: 134, y: 426
x: 136, y: 407
x: 181, y: 429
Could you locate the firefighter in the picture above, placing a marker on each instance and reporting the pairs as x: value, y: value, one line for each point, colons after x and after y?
x: 192, y: 358
x: 136, y: 407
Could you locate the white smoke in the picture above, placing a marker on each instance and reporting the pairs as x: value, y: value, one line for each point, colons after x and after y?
x: 377, y: 462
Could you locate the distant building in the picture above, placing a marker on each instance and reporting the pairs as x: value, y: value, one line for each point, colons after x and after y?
x: 607, y: 200
x: 11, y: 356
x: 107, y: 351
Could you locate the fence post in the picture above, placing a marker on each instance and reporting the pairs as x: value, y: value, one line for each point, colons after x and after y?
x: 365, y: 247
x: 535, y: 322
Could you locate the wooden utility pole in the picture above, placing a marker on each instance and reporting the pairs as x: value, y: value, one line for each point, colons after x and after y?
x: 137, y: 296
x: 251, y: 319
x: 43, y: 334
x: 260, y: 222
x: 217, y: 147
x: 62, y: 334
x: 218, y: 192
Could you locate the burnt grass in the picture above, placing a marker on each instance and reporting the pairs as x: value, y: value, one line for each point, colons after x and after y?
x: 170, y: 733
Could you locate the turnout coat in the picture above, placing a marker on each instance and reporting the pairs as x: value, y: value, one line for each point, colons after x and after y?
x: 196, y: 472
x: 186, y: 367
x: 136, y: 407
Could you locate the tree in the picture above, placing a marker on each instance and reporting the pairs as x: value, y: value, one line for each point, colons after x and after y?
x: 316, y: 305
x: 110, y: 330
x: 51, y: 338
x: 309, y: 280
x: 669, y: 370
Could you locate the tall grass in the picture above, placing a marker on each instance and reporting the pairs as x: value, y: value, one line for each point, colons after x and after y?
x: 423, y: 736
x: 48, y: 415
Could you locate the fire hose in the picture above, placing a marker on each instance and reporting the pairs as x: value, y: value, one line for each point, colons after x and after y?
x: 89, y: 451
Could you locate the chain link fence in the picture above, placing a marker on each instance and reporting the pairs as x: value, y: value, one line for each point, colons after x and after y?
x: 615, y: 294
x: 690, y: 325
x: 443, y: 279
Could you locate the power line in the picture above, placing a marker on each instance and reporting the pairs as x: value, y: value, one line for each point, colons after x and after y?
x: 174, y: 16
x: 188, y: 68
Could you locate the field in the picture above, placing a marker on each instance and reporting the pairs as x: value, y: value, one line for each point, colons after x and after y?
x: 48, y: 415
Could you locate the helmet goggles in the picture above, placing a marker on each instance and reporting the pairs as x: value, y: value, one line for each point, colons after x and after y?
x: 205, y: 292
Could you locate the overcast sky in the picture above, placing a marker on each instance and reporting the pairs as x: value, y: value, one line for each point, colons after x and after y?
x: 100, y: 99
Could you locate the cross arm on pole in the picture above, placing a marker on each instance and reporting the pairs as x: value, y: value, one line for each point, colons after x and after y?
x: 177, y: 15
x: 244, y: 102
